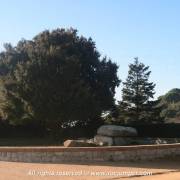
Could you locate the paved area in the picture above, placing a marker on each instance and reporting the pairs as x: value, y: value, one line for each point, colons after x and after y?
x: 166, y: 170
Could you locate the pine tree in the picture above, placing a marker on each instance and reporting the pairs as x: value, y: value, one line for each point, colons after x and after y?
x: 136, y: 105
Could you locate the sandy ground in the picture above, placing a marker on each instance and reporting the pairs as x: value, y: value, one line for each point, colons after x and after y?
x: 164, y: 169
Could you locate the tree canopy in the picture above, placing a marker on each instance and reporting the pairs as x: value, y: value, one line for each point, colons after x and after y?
x: 171, y: 106
x: 57, y: 79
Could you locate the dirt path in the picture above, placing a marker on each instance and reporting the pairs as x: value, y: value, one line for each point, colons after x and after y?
x: 165, y: 170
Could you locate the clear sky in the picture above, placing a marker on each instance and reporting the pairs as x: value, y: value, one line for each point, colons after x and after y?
x: 122, y: 30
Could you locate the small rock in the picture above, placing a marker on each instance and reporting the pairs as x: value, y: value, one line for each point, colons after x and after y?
x: 78, y: 143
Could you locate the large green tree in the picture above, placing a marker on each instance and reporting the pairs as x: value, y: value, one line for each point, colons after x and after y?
x: 170, y: 103
x: 137, y: 93
x: 57, y: 79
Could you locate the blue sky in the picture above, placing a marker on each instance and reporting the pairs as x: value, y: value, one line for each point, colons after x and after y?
x: 122, y: 30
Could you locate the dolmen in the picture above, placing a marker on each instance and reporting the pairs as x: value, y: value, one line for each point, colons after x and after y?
x: 107, y: 135
x: 113, y: 135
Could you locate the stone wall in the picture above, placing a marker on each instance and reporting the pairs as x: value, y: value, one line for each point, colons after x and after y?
x: 89, y: 154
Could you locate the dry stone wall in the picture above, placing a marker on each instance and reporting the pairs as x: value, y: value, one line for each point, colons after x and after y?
x: 89, y: 154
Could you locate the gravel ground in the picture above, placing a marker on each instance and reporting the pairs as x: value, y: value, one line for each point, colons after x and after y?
x: 162, y: 169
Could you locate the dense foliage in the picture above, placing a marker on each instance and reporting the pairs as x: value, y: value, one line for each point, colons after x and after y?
x: 56, y: 80
x: 171, y: 106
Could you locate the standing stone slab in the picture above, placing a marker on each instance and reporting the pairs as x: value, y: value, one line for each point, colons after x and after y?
x: 121, y: 141
x: 103, y: 140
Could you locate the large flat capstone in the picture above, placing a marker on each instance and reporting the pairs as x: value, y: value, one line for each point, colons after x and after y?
x: 116, y: 131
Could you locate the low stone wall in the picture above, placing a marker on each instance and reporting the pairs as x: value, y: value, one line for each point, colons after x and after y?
x: 89, y: 154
